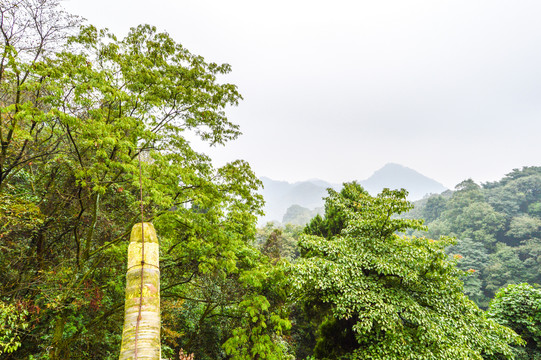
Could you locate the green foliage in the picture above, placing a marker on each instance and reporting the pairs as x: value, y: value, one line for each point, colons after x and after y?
x: 435, y: 205
x: 400, y: 297
x: 256, y: 337
x: 504, y: 267
x: 524, y: 227
x: 519, y: 307
x: 12, y: 322
x: 471, y: 256
x: 335, y: 218
x: 238, y: 301
x: 279, y: 242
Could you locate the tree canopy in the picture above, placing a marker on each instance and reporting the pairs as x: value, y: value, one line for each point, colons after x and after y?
x: 386, y: 295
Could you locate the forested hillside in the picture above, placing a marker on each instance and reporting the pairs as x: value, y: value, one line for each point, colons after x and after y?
x: 497, y: 226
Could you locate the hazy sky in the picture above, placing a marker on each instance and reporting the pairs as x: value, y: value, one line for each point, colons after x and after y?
x: 336, y: 89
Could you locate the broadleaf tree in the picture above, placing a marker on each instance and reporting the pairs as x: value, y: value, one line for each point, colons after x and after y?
x: 386, y: 296
x: 79, y: 107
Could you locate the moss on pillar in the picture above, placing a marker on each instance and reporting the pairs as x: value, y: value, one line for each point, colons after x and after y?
x: 148, y: 339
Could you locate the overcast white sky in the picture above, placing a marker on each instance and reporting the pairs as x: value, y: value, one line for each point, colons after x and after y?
x: 337, y: 89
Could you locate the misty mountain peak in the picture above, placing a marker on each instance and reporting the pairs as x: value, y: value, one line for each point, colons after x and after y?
x: 396, y: 176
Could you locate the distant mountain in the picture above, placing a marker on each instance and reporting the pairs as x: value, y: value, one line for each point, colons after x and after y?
x: 324, y: 183
x: 281, y: 195
x: 298, y: 215
x: 395, y: 176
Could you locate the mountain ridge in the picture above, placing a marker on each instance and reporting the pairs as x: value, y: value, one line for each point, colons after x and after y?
x: 280, y: 195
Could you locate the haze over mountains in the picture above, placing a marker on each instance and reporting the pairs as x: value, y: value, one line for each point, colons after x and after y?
x: 280, y: 195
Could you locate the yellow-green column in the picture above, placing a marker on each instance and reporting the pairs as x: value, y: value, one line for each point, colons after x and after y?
x: 148, y: 339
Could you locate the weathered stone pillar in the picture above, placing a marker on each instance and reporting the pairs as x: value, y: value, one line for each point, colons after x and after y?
x: 148, y: 339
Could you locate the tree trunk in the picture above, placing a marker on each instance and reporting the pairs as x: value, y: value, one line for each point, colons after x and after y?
x: 148, y: 334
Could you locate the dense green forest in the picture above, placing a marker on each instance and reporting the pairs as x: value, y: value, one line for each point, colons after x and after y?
x: 497, y: 232
x: 89, y: 120
x: 497, y: 226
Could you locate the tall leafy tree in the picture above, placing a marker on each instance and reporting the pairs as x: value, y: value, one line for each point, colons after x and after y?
x: 79, y: 107
x: 388, y: 296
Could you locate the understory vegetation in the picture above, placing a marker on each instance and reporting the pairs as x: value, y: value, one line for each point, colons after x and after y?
x: 88, y: 120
